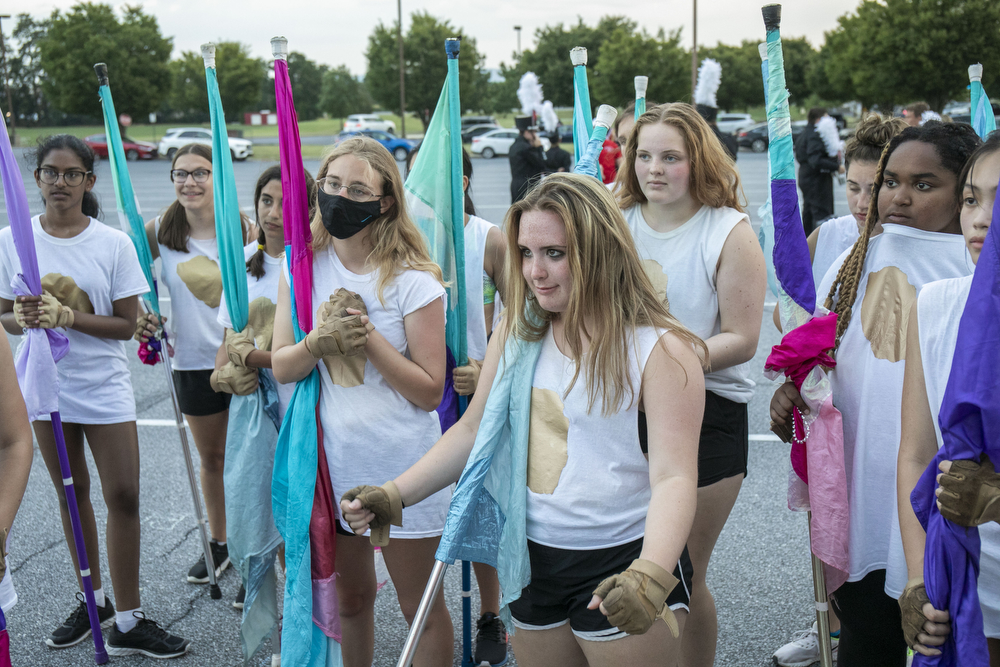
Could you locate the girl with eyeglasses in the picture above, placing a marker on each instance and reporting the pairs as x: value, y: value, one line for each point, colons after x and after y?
x: 379, y: 344
x: 183, y: 237
x: 91, y: 279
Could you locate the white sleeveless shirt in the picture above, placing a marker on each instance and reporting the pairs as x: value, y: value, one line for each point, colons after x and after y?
x: 588, y: 482
x: 683, y: 265
x: 868, y: 380
x: 475, y: 316
x: 939, y: 310
x: 835, y: 236
x: 194, y: 281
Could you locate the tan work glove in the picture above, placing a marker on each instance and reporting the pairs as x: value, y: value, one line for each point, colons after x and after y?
x: 382, y: 501
x: 911, y: 607
x: 336, y: 332
x: 466, y: 378
x: 240, y: 345
x: 53, y: 314
x: 19, y: 314
x: 230, y: 379
x: 3, y: 551
x: 636, y: 597
x: 970, y: 493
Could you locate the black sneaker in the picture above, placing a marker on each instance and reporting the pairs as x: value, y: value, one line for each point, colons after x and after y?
x: 491, y: 641
x: 76, y: 628
x: 146, y: 638
x: 240, y: 597
x: 198, y: 574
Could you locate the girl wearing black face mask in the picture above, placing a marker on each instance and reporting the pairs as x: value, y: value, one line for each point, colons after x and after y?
x: 381, y: 377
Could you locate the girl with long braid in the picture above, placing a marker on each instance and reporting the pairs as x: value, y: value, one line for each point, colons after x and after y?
x: 872, y: 288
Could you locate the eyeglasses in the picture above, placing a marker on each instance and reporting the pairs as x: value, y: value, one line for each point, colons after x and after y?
x: 333, y: 186
x: 71, y: 178
x: 199, y: 175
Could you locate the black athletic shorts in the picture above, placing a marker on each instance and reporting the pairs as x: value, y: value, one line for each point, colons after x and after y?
x: 196, y: 396
x: 563, y: 582
x: 724, y: 443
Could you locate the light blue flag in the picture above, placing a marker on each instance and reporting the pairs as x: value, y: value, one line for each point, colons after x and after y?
x: 981, y: 111
x: 766, y: 233
x: 583, y: 122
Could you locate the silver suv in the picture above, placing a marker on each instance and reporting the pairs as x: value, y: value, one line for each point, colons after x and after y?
x: 176, y: 137
x: 368, y: 121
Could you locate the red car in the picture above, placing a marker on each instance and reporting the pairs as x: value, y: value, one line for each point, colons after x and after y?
x: 134, y: 150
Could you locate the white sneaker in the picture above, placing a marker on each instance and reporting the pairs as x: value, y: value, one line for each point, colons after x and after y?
x: 803, y: 650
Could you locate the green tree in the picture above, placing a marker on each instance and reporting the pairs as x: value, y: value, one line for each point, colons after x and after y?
x: 550, y: 62
x: 342, y: 94
x: 800, y: 57
x: 501, y: 96
x: 742, y: 84
x: 133, y: 48
x: 239, y: 76
x: 307, y: 84
x: 425, y: 66
x: 24, y: 68
x: 626, y: 54
x: 898, y: 51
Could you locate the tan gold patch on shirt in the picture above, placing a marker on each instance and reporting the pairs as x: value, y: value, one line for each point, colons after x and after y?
x: 346, y: 371
x: 548, y: 429
x: 66, y: 290
x: 201, y: 275
x: 656, y: 276
x: 885, y: 312
x: 261, y: 318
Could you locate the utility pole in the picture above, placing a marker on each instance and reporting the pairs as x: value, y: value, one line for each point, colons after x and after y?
x: 6, y: 83
x: 402, y: 70
x: 517, y: 29
x: 694, y: 50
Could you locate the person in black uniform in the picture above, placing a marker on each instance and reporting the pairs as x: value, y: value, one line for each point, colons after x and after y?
x: 556, y: 158
x: 816, y: 169
x: 527, y: 159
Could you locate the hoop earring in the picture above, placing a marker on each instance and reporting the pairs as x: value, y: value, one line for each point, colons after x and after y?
x: 531, y: 296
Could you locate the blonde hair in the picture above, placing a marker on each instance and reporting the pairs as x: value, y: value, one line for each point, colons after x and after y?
x: 611, y: 293
x: 714, y: 180
x: 397, y: 244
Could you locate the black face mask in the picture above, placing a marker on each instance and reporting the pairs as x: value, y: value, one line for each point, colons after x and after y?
x: 343, y: 217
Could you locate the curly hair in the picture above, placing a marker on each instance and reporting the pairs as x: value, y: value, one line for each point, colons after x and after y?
x: 870, y: 138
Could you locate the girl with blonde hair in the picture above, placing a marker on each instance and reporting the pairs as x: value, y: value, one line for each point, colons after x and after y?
x: 379, y: 343
x: 681, y: 197
x: 594, y: 345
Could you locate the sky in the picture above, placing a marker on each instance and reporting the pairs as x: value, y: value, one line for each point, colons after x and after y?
x: 337, y: 33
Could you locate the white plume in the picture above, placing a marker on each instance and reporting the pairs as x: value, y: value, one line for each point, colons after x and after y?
x: 929, y: 115
x: 709, y: 78
x: 529, y: 92
x: 826, y: 128
x: 548, y: 117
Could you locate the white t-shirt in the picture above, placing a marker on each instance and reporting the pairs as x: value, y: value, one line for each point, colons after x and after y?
x: 194, y: 281
x: 868, y: 380
x: 835, y: 236
x: 683, y: 264
x: 475, y: 316
x: 87, y: 272
x: 8, y: 596
x: 939, y: 310
x: 588, y: 482
x: 371, y: 432
x: 262, y: 295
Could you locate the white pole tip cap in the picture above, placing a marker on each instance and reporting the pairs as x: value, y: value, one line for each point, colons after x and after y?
x: 208, y: 54
x: 762, y: 50
x: 641, y: 83
x: 976, y: 72
x: 279, y: 47
x: 606, y: 115
x: 578, y: 55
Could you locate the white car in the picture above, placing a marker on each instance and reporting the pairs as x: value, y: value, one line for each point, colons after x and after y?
x: 368, y: 121
x: 176, y: 137
x: 498, y: 142
x: 732, y: 123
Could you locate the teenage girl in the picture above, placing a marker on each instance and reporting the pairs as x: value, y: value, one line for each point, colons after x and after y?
x: 619, y: 527
x: 916, y: 198
x: 184, y: 240
x: 91, y: 280
x: 378, y: 395
x: 680, y: 194
x: 931, y: 339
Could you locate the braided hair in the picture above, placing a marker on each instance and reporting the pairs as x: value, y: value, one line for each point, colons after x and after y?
x: 954, y: 143
x: 255, y: 265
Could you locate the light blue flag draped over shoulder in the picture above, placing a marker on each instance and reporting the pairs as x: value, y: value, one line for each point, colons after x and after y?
x: 982, y: 118
x: 251, y: 438
x: 583, y: 122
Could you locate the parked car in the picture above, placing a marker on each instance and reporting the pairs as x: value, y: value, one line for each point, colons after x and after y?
x: 468, y: 132
x: 176, y: 137
x: 498, y: 142
x: 966, y: 117
x: 134, y: 150
x: 731, y: 123
x: 565, y: 134
x: 368, y: 121
x: 400, y: 148
x: 755, y: 136
x: 469, y: 121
